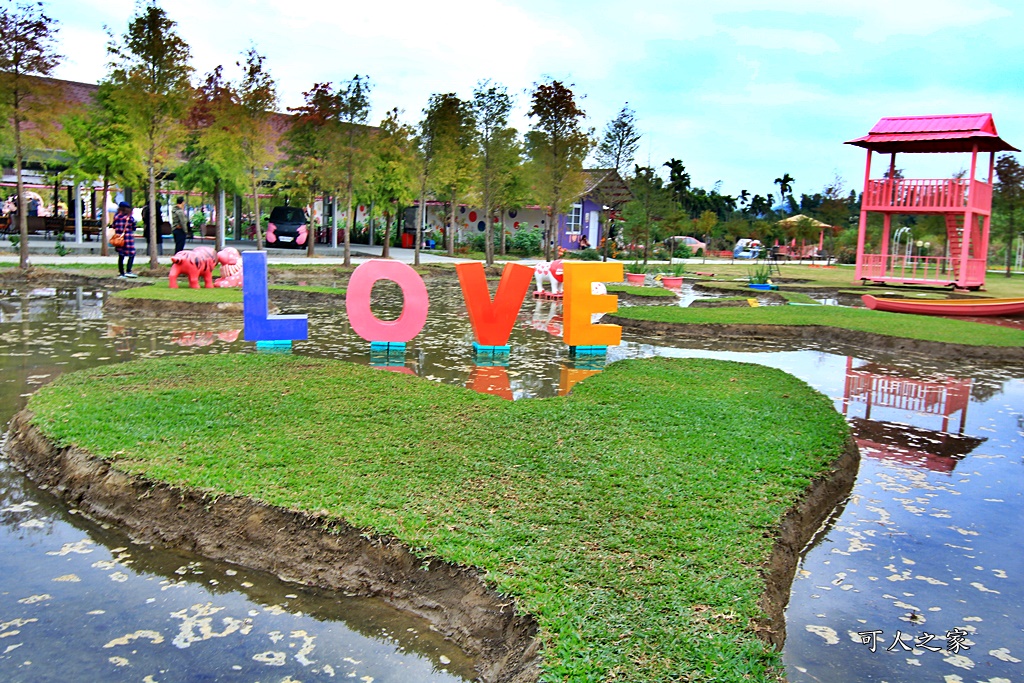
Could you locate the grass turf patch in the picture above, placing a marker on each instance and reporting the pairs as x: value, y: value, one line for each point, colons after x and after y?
x: 653, y: 292
x: 925, y: 328
x: 160, y: 291
x: 798, y: 298
x: 630, y: 518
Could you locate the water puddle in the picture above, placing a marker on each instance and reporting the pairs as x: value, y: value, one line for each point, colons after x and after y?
x: 926, y: 545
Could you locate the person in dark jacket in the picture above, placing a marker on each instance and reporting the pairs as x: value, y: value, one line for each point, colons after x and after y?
x: 124, y: 225
x: 179, y: 223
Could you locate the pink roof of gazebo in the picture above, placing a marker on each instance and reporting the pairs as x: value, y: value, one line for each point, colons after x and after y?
x: 954, y: 133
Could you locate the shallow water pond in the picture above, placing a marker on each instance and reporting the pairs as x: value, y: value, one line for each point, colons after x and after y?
x: 926, y: 544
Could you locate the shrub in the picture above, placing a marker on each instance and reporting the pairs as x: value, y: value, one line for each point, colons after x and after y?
x: 476, y: 243
x: 587, y: 254
x: 636, y: 268
x: 526, y: 242
x: 846, y: 255
x: 682, y: 251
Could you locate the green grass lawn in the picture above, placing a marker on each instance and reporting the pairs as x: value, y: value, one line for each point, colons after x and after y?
x: 314, y: 289
x: 654, y: 292
x: 927, y: 328
x: 160, y: 291
x: 631, y: 518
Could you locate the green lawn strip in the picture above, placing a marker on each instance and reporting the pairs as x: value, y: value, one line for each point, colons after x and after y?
x: 926, y: 328
x: 631, y: 518
x: 160, y: 291
x: 797, y: 298
x: 654, y: 292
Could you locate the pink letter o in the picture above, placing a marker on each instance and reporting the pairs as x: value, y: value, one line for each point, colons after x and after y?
x: 414, y: 308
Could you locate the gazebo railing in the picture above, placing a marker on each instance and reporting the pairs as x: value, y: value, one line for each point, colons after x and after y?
x: 926, y: 194
x: 923, y: 269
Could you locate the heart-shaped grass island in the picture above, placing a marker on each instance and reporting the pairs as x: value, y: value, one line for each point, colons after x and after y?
x: 644, y: 528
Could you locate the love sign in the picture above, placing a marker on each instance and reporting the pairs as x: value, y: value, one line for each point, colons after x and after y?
x: 492, y: 319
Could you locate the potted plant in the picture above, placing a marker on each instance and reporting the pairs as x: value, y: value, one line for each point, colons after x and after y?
x: 761, y: 279
x: 674, y: 278
x: 636, y: 273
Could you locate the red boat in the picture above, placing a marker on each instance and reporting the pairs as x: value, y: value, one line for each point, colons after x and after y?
x: 967, y: 307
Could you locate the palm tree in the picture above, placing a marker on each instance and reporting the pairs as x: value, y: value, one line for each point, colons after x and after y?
x: 744, y: 197
x: 785, y: 184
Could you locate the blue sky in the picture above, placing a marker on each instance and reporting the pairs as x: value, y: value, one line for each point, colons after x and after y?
x: 742, y: 91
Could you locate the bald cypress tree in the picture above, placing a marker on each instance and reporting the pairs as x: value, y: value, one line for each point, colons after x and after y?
x: 27, y: 53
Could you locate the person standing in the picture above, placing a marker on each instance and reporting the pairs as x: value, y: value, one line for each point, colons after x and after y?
x: 179, y: 221
x: 145, y: 230
x: 124, y: 226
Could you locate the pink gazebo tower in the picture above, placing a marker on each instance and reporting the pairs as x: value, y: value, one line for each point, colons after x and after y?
x: 966, y: 203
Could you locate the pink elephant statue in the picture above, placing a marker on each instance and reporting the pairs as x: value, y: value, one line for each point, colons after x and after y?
x: 193, y: 264
x: 230, y: 268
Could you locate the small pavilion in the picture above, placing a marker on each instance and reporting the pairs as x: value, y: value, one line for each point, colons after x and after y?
x: 966, y: 203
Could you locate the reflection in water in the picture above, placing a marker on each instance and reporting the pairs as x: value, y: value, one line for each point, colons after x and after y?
x: 205, y: 337
x: 491, y: 379
x: 569, y: 376
x: 875, y: 387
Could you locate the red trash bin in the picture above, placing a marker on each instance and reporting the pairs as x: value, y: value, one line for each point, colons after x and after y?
x: 408, y: 240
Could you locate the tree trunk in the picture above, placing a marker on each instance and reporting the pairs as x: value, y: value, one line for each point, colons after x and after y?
x: 350, y: 218
x: 451, y: 228
x: 488, y: 234
x: 385, y: 251
x: 154, y: 219
x: 420, y: 209
x: 22, y: 203
x: 311, y: 235
x: 504, y: 251
x: 1009, y: 242
x: 256, y: 211
x: 546, y: 233
x: 103, y: 216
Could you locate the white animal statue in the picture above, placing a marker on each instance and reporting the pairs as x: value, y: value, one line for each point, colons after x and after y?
x: 550, y: 273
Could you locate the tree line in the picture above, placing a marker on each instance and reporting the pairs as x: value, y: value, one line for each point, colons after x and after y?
x: 151, y: 117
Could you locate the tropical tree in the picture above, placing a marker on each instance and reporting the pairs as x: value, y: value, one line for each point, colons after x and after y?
x: 150, y: 73
x: 650, y: 210
x: 1009, y: 195
x: 785, y: 184
x: 498, y: 152
x: 512, y: 195
x: 390, y: 184
x: 211, y: 162
x: 557, y: 145
x: 452, y: 166
x: 312, y: 142
x: 353, y: 147
x: 27, y: 55
x: 424, y: 142
x: 257, y: 98
x: 744, y: 198
x: 621, y: 140
x: 102, y: 146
